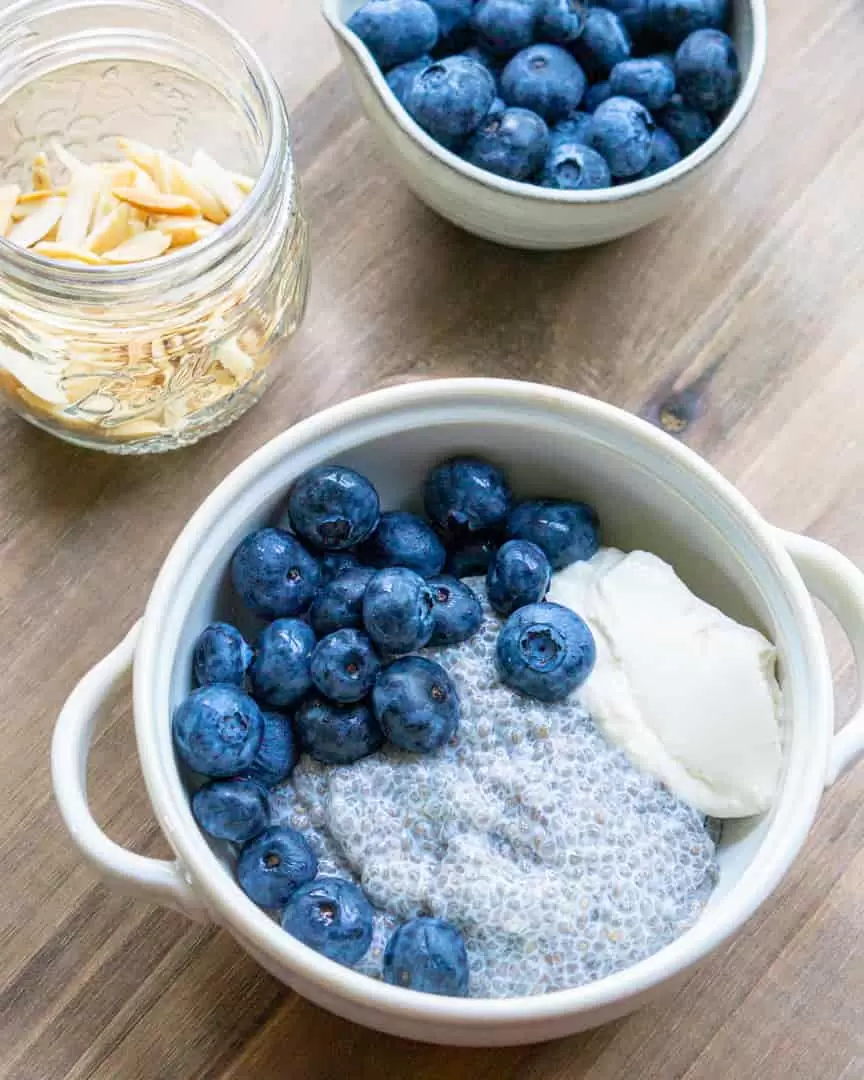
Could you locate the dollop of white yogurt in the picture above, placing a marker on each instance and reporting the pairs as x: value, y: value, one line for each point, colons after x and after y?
x: 687, y: 693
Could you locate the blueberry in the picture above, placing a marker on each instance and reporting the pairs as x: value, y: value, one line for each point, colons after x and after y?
x: 274, y: 575
x: 280, y: 673
x: 450, y: 99
x: 560, y: 21
x: 520, y: 574
x: 604, y: 42
x: 395, y: 31
x: 622, y: 134
x: 217, y: 730
x: 400, y: 78
x: 403, y: 539
x: 334, y: 563
x: 454, y: 23
x: 511, y: 144
x: 333, y: 507
x: 595, y: 95
x: 457, y: 611
x: 545, y: 651
x: 473, y: 557
x: 502, y: 27
x: 545, y: 79
x: 633, y: 13
x: 337, y: 734
x: 427, y: 955
x: 576, y: 128
x: 274, y: 864
x: 493, y: 64
x: 673, y: 20
x: 689, y: 127
x: 664, y: 154
x: 344, y: 666
x: 277, y: 754
x: 706, y: 66
x: 339, y: 605
x: 465, y: 496
x: 496, y: 110
x: 221, y: 655
x: 234, y: 810
x: 398, y: 610
x: 416, y: 704
x: 332, y: 916
x: 571, y: 166
x: 650, y: 82
x: 566, y: 531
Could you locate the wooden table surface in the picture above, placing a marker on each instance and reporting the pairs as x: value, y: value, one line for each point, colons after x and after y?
x: 739, y: 321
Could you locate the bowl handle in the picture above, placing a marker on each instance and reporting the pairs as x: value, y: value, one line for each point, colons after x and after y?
x: 839, y: 583
x: 155, y: 880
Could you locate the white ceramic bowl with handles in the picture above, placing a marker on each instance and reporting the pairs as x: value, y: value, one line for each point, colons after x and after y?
x: 524, y: 215
x: 650, y: 492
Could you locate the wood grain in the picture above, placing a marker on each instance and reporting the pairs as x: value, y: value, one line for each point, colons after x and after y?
x: 738, y: 323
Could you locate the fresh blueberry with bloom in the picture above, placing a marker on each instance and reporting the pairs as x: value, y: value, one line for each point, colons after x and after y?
x: 545, y: 651
x: 344, y: 666
x: 274, y: 575
x: 622, y: 134
x: 457, y: 611
x: 427, y: 955
x: 595, y: 95
x: 332, y: 507
x: 416, y: 704
x: 502, y: 27
x: 664, y: 154
x: 633, y: 13
x: 576, y: 128
x: 274, y: 864
x: 570, y: 166
x: 545, y: 79
x: 334, y: 563
x: 497, y: 108
x: 603, y: 43
x: 519, y: 574
x: 403, y: 539
x: 472, y: 557
x: 650, y: 82
x: 450, y: 99
x: 332, y: 916
x: 339, y: 605
x: 673, y: 20
x: 217, y: 730
x: 566, y: 531
x: 395, y: 31
x: 337, y: 734
x: 689, y: 127
x: 234, y: 810
x: 398, y: 610
x: 280, y: 673
x: 511, y: 144
x: 454, y: 24
x: 464, y: 496
x: 277, y: 754
x: 560, y: 21
x: 221, y: 655
x: 400, y: 78
x: 706, y: 67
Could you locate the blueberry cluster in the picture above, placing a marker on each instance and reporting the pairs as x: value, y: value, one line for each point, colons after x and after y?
x: 567, y: 94
x: 350, y: 594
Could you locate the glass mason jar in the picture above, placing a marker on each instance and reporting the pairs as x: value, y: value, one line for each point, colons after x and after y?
x: 154, y: 355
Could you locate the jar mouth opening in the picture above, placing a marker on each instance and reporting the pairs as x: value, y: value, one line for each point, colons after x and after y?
x: 51, y: 276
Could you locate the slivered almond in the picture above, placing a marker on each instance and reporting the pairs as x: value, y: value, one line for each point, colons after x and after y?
x: 234, y: 359
x: 136, y: 226
x: 67, y: 159
x: 216, y: 179
x: 80, y: 206
x: 245, y: 183
x: 184, y: 182
x: 147, y: 245
x: 65, y: 253
x: 183, y: 231
x: 8, y: 199
x: 157, y: 203
x: 143, y: 182
x: 32, y: 199
x: 121, y: 173
x: 37, y: 225
x: 41, y: 173
x: 140, y: 153
x: 111, y: 231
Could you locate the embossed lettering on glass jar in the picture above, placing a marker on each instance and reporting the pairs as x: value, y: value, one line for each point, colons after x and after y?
x: 155, y: 355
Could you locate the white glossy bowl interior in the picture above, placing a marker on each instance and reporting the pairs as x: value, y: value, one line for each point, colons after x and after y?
x: 523, y: 215
x: 651, y: 492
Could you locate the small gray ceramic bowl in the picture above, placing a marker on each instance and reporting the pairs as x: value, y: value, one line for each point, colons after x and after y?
x: 523, y: 215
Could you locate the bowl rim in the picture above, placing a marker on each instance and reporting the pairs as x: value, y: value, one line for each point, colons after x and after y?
x: 261, y: 935
x: 601, y: 196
